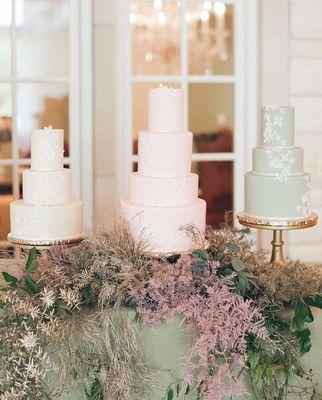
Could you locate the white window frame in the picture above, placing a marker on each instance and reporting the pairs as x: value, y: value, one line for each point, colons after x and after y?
x: 245, y: 79
x: 80, y: 104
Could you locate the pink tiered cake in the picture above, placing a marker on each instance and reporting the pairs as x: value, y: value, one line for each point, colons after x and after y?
x: 163, y: 195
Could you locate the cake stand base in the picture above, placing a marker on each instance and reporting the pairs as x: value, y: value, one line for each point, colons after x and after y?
x: 44, y: 244
x: 277, y: 226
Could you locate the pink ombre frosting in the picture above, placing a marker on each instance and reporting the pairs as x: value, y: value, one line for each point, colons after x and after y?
x: 163, y: 196
x: 166, y: 109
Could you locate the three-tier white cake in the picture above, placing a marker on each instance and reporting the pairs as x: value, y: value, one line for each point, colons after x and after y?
x: 163, y: 195
x: 48, y: 211
x: 277, y: 188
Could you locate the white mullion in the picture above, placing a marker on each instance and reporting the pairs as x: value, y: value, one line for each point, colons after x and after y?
x: 16, y: 79
x: 184, y: 75
x: 239, y: 101
x: 124, y: 97
x: 25, y: 161
x: 184, y: 61
x: 204, y: 157
x: 14, y: 136
x: 74, y: 95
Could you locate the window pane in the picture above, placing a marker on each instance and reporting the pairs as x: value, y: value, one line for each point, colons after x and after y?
x: 155, y: 38
x: 5, y: 120
x: 211, y: 117
x: 216, y: 187
x: 42, y: 38
x: 41, y: 105
x: 140, y: 109
x: 211, y: 38
x: 5, y: 37
x: 5, y: 198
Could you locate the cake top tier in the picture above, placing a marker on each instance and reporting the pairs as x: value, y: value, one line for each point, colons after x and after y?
x: 47, y: 149
x: 277, y: 126
x: 166, y: 109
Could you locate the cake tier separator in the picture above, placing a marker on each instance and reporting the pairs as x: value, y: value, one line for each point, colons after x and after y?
x: 277, y: 226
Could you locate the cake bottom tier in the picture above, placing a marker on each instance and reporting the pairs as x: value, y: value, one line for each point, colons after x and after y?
x: 46, y: 222
x: 268, y: 198
x: 163, y: 227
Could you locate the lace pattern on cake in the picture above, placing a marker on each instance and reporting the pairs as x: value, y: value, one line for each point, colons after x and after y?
x: 279, y: 158
x: 32, y: 223
x: 271, y: 123
x: 303, y: 207
x: 52, y: 190
x: 150, y: 152
x: 169, y: 98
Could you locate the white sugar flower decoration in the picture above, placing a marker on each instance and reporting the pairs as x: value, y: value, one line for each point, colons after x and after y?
x: 29, y: 341
x: 47, y: 297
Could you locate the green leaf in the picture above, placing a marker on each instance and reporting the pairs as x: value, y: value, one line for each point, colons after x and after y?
x: 10, y: 279
x: 253, y: 359
x: 238, y: 264
x: 219, y: 256
x: 304, y: 340
x: 199, y: 267
x: 31, y: 286
x: 302, y: 315
x: 269, y: 372
x: 32, y: 262
x: 178, y: 389
x: 232, y: 247
x: 243, y: 283
x: 315, y: 301
x: 202, y: 254
x: 170, y: 394
x: 187, y: 390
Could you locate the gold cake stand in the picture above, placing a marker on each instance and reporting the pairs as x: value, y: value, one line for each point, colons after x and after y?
x: 44, y: 244
x: 277, y: 227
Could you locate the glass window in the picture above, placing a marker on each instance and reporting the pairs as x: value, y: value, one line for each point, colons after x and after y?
x: 155, y: 38
x: 42, y: 38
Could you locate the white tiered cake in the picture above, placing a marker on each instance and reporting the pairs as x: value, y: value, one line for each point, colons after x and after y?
x: 277, y: 188
x: 163, y: 195
x: 48, y: 211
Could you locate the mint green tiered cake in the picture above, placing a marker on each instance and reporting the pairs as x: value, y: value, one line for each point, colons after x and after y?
x: 277, y: 188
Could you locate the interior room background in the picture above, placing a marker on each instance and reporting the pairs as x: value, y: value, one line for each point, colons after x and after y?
x: 86, y: 66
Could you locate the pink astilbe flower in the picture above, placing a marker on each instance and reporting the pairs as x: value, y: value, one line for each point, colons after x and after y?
x: 168, y: 287
x: 224, y: 320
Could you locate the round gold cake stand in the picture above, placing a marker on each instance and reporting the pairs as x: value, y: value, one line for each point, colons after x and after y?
x: 44, y: 244
x: 277, y: 227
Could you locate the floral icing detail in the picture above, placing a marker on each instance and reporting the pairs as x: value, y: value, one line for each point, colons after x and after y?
x: 271, y: 123
x: 303, y: 208
x: 281, y: 160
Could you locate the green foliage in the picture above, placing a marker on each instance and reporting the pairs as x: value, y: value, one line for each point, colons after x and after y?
x: 232, y: 247
x: 11, y: 280
x: 32, y: 262
x: 31, y: 286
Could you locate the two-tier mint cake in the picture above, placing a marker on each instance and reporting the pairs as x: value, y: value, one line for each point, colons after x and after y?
x: 277, y: 188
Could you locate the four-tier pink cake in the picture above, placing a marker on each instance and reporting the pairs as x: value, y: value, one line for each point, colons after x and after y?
x: 163, y: 195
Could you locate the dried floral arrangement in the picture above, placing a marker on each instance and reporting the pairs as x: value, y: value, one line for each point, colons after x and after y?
x: 63, y: 316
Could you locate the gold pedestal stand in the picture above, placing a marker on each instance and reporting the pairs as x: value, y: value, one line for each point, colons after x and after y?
x: 44, y: 244
x: 277, y: 227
